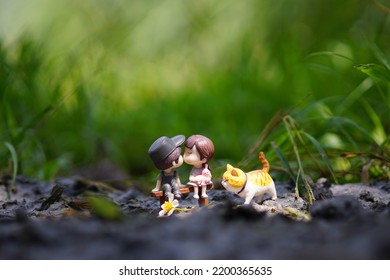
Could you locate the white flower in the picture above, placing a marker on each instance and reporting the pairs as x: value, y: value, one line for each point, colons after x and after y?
x: 169, y: 206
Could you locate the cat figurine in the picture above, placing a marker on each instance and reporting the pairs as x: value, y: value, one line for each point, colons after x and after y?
x: 251, y: 184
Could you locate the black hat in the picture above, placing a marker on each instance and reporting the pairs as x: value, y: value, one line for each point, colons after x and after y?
x: 164, y: 146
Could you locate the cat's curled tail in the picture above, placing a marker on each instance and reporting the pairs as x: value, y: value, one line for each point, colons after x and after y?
x: 264, y: 162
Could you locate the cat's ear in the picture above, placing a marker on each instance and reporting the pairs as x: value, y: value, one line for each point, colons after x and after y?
x: 229, y: 167
x: 234, y: 172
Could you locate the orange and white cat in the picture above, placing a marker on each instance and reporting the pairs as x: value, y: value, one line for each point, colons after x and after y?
x: 251, y: 184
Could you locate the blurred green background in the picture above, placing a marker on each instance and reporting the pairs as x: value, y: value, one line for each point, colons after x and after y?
x: 87, y: 86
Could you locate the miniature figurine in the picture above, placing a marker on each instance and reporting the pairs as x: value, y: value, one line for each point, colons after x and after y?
x: 166, y: 155
x: 252, y: 184
x: 199, y: 150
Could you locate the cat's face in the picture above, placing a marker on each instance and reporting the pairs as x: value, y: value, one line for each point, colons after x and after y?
x: 235, y: 177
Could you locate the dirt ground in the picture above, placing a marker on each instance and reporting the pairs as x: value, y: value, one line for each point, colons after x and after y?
x: 62, y: 220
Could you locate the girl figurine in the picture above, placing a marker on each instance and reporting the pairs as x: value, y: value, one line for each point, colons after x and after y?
x: 166, y: 155
x: 199, y: 150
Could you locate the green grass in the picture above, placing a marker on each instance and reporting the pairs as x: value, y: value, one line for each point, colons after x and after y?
x: 14, y: 158
x: 306, y: 82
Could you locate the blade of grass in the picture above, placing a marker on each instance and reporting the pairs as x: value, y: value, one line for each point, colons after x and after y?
x: 363, y: 154
x: 322, y: 153
x: 35, y: 120
x: 306, y: 191
x: 284, y: 161
x: 381, y: 7
x: 378, y: 132
x: 354, y: 96
x: 14, y: 157
x: 379, y: 54
x: 303, y: 143
x: 271, y: 125
x: 328, y: 53
x: 340, y: 122
x: 375, y: 71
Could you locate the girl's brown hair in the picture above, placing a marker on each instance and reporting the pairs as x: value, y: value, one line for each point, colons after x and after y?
x: 203, y: 144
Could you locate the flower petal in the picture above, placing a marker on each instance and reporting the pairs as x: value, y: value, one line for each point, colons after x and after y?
x: 175, y: 203
x: 171, y: 211
x: 162, y: 213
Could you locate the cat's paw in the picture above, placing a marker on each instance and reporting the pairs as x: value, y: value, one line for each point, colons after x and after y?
x: 196, y: 196
x: 205, y: 196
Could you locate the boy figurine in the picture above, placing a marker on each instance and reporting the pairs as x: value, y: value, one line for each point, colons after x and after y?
x: 199, y: 150
x: 166, y: 155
